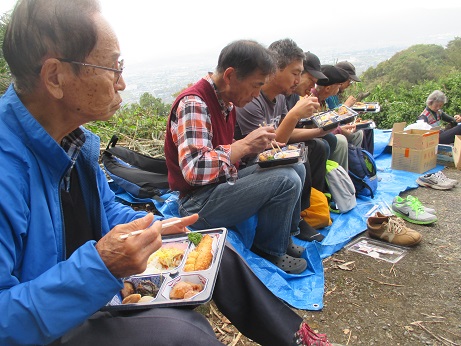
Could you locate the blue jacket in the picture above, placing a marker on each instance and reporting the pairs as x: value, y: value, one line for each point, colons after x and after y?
x: 42, y: 295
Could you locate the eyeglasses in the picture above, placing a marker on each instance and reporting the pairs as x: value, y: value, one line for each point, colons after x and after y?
x: 117, y: 72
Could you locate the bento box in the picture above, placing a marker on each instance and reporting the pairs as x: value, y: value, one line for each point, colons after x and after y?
x: 179, y: 273
x: 330, y: 119
x: 286, y: 155
x: 366, y: 107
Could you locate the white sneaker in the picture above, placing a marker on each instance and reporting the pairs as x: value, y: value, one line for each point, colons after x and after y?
x: 437, y: 181
x: 444, y: 177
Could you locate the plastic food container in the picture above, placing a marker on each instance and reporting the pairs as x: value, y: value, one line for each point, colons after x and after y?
x: 330, y: 119
x: 372, y: 107
x: 292, y: 153
x: 156, y: 284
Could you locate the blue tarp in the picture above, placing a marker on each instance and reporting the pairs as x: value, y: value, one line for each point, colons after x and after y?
x: 305, y: 291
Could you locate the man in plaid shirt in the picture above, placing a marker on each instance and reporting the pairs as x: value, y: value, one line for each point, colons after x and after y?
x: 203, y: 159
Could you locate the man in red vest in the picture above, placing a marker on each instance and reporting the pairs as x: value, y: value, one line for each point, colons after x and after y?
x: 203, y: 160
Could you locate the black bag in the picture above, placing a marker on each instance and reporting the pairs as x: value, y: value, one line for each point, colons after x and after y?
x: 362, y: 170
x: 140, y: 175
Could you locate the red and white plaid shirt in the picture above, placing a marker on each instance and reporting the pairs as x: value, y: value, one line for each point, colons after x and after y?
x: 192, y: 132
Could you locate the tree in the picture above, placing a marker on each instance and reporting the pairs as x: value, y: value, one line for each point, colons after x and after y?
x: 454, y: 52
x: 154, y: 104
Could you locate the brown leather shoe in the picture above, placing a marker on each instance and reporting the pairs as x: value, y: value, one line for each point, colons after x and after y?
x: 392, y: 229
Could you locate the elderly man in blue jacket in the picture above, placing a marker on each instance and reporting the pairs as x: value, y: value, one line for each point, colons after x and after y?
x: 62, y: 256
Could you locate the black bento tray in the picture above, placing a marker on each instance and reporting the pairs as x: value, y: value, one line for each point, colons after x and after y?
x: 165, y: 280
x: 370, y: 107
x: 300, y: 157
x: 370, y: 124
x: 330, y: 119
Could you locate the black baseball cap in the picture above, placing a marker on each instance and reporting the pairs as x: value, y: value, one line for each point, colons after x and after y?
x: 349, y: 68
x: 312, y: 65
x: 334, y: 74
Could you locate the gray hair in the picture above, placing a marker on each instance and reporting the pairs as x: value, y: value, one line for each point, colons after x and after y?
x: 247, y: 57
x: 41, y: 29
x: 285, y: 52
x: 435, y: 97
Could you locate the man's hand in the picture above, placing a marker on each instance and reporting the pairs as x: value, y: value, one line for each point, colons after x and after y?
x: 125, y: 257
x: 305, y: 107
x: 348, y: 128
x: 254, y: 143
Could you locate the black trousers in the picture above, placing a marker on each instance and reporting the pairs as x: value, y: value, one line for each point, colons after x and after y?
x: 448, y: 136
x: 318, y: 153
x: 238, y: 294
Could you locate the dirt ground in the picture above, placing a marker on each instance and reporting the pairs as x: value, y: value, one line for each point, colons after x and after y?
x: 416, y: 301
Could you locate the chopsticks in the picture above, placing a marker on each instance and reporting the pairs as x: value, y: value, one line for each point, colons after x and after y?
x: 165, y: 225
x: 273, y: 141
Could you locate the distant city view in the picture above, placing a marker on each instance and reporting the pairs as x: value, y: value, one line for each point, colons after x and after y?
x: 165, y: 79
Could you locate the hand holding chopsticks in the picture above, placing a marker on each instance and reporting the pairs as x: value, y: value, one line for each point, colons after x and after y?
x: 273, y: 141
x: 165, y: 225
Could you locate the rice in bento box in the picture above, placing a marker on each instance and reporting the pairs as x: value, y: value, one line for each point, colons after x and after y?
x: 167, y: 258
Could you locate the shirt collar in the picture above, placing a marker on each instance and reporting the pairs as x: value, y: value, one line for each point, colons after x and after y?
x: 225, y: 109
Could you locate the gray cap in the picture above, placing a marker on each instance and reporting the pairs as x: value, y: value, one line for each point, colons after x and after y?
x: 349, y: 68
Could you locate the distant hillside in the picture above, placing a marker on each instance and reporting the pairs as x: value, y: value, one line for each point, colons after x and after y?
x: 415, y: 65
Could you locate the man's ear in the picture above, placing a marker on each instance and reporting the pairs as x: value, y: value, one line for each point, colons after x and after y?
x: 229, y: 74
x: 53, y: 76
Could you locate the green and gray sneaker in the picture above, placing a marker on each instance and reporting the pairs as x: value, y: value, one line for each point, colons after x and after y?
x: 413, y: 200
x: 412, y: 210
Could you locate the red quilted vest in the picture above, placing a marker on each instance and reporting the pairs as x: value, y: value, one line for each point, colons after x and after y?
x: 223, y: 132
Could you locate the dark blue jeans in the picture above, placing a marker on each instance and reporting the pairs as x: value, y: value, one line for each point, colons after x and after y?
x: 273, y: 194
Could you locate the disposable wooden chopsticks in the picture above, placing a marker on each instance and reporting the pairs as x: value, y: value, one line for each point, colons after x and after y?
x: 272, y: 145
x: 165, y: 225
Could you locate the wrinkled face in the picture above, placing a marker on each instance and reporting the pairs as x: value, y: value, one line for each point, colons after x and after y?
x: 287, y: 80
x: 436, y: 106
x: 306, y: 83
x: 243, y: 91
x: 93, y: 94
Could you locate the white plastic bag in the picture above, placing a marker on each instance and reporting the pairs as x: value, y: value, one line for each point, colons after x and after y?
x: 418, y: 125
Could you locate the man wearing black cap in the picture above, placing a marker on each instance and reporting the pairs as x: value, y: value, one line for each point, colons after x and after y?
x: 324, y: 89
x: 311, y: 74
x: 335, y: 100
x: 364, y: 137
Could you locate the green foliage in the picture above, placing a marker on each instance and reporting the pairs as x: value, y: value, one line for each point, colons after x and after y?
x: 136, y: 121
x: 414, y: 65
x: 402, y: 84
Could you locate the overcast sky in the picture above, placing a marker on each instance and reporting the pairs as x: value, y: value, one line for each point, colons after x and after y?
x: 160, y: 31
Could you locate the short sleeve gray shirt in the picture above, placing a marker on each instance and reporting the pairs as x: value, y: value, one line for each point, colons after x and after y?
x: 260, y: 111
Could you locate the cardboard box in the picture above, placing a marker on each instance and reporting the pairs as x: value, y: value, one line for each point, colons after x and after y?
x: 416, y: 139
x: 397, y: 127
x: 457, y: 152
x: 412, y: 160
x: 445, y: 155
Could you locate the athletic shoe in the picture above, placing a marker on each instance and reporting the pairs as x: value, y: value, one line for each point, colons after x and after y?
x: 413, y: 200
x: 392, y: 230
x: 436, y: 181
x: 413, y: 212
x: 305, y: 336
x: 442, y: 176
